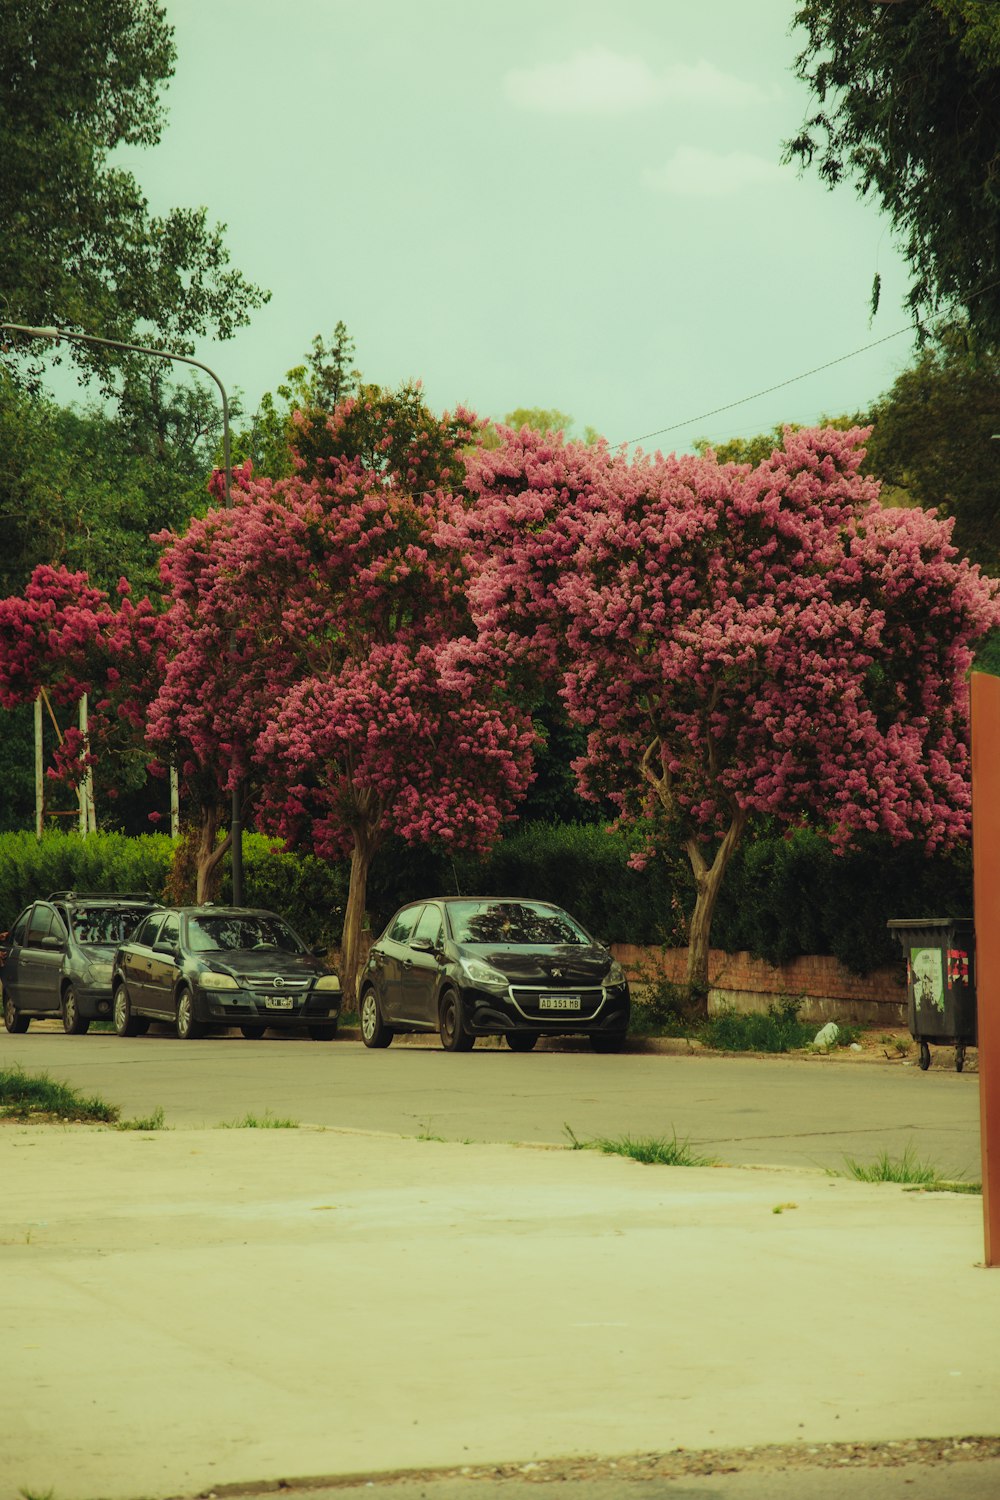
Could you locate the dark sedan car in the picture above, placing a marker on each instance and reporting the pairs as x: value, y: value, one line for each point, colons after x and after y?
x: 217, y: 966
x: 57, y: 958
x: 481, y: 966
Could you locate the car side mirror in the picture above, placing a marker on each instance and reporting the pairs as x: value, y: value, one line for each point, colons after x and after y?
x: 51, y: 940
x: 422, y: 945
x: 167, y: 949
x: 319, y: 952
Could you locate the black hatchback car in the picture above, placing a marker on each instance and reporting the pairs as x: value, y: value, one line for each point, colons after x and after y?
x: 223, y: 966
x: 57, y: 958
x: 481, y: 966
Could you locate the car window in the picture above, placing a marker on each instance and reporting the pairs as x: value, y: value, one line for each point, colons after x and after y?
x: 522, y: 922
x: 41, y: 924
x: 401, y: 930
x: 20, y: 927
x: 237, y: 932
x: 106, y: 926
x: 170, y: 932
x: 429, y: 926
x: 146, y: 932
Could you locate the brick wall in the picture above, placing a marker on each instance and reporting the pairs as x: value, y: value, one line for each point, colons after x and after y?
x: 829, y: 992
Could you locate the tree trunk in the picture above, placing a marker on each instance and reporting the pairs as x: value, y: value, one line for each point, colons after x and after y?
x: 708, y: 883
x: 209, y: 854
x: 350, y: 948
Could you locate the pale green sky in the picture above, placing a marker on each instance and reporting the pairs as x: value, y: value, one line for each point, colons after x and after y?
x: 568, y: 203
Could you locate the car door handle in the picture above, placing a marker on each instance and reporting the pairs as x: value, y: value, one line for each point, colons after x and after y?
x: 407, y: 963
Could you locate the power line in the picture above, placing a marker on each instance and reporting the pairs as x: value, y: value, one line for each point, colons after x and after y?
x: 768, y: 389
x: 990, y: 286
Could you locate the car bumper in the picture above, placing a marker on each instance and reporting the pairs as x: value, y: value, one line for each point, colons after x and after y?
x: 488, y: 1013
x: 220, y: 1008
x: 94, y: 1002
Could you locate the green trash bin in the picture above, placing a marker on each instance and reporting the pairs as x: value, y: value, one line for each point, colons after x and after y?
x: 940, y: 982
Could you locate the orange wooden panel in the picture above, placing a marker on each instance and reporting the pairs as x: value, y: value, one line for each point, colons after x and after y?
x: 986, y: 864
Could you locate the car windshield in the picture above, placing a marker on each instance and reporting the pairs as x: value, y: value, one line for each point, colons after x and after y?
x: 513, y: 922
x: 105, y: 926
x: 231, y: 933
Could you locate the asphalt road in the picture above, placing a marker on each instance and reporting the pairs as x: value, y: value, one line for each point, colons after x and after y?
x: 743, y: 1111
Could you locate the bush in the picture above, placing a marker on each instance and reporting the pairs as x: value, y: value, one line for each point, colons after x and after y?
x: 31, y: 867
x: 784, y: 894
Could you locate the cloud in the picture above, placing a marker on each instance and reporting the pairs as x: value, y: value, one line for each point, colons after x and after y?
x: 694, y: 173
x: 600, y: 82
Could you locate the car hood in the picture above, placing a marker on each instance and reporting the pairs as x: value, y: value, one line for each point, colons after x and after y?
x: 531, y: 965
x: 254, y: 963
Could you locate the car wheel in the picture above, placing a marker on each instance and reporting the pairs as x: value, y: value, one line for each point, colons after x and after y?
x: 521, y: 1041
x: 73, y: 1023
x: 608, y: 1041
x: 454, y: 1037
x: 253, y: 1033
x: 126, y: 1024
x: 324, y: 1033
x: 12, y: 1018
x: 188, y: 1029
x: 374, y: 1032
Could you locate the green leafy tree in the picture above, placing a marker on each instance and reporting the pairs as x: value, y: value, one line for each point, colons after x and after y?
x: 325, y: 378
x: 546, y: 419
x: 908, y: 99
x: 933, y: 440
x: 80, y: 248
x: 754, y: 450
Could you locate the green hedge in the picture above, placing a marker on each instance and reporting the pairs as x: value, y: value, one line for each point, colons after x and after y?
x: 307, y: 891
x: 783, y: 895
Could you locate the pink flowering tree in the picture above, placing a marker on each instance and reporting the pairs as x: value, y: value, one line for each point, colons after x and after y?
x: 314, y: 661
x: 70, y: 638
x: 396, y: 740
x: 736, y: 640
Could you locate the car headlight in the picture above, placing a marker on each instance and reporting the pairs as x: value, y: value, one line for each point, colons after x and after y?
x: 481, y: 973
x: 616, y: 974
x: 210, y: 981
x: 327, y: 982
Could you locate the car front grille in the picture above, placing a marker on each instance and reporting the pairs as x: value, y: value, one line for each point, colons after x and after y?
x: 277, y: 982
x: 528, y: 1001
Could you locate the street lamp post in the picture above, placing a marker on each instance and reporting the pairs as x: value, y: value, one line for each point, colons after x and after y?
x: 236, y: 818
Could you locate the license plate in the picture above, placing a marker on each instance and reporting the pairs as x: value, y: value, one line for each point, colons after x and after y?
x: 559, y: 1002
x: 279, y: 1002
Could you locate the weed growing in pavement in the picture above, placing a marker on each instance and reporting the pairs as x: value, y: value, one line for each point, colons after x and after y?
x: 651, y: 1150
x: 886, y: 1168
x: 26, y: 1096
x: 947, y: 1187
x: 147, y: 1122
x: 267, y: 1121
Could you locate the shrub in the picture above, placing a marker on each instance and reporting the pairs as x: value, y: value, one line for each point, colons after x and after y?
x: 778, y: 1029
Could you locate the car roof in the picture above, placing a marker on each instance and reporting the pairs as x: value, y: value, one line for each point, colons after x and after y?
x: 450, y: 900
x: 107, y: 898
x: 208, y: 909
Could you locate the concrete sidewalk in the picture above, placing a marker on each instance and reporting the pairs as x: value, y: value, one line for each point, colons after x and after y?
x: 190, y: 1309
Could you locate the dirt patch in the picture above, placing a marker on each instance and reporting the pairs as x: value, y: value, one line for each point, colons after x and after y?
x: 679, y: 1463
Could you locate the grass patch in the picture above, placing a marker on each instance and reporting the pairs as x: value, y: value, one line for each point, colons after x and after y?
x: 27, y: 1096
x: 885, y: 1168
x: 147, y: 1122
x: 778, y: 1029
x: 266, y: 1121
x: 651, y: 1150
